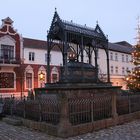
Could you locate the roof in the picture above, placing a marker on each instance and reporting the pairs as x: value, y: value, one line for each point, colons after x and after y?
x: 120, y: 48
x: 125, y: 43
x: 7, y: 20
x: 37, y: 44
x: 76, y: 28
x: 34, y: 43
x: 70, y: 26
x: 41, y: 44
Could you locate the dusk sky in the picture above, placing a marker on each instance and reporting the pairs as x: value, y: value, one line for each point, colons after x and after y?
x: 32, y: 18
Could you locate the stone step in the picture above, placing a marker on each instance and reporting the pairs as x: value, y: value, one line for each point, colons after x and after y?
x: 12, y: 120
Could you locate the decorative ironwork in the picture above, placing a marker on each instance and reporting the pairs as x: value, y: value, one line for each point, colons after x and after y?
x: 47, y: 110
x: 90, y: 109
x: 80, y: 110
x: 79, y: 39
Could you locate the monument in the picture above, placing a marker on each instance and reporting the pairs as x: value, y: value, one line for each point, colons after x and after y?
x: 78, y: 79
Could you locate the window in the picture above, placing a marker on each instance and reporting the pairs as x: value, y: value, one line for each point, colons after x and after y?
x: 127, y: 69
x: 123, y: 71
x: 116, y: 57
x: 31, y: 56
x: 127, y: 58
x: 29, y: 80
x: 50, y: 58
x: 116, y: 70
x: 131, y: 58
x: 112, y: 69
x: 46, y: 57
x: 54, y: 75
x: 6, y: 80
x: 117, y: 83
x: 42, y: 77
x: 111, y: 56
x: 122, y: 57
x: 6, y: 52
x: 98, y: 54
x: 54, y: 78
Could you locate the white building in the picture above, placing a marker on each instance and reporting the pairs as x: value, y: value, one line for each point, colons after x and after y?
x: 119, y: 55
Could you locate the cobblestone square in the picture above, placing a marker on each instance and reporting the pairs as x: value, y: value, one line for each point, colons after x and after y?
x: 129, y: 131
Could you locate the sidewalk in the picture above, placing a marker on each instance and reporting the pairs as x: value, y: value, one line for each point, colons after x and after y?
x: 129, y: 131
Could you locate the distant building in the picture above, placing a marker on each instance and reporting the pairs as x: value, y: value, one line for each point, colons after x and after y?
x: 120, y: 62
x: 23, y: 62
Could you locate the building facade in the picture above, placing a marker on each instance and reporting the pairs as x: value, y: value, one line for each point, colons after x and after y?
x: 23, y: 62
x: 11, y: 53
x: 120, y: 62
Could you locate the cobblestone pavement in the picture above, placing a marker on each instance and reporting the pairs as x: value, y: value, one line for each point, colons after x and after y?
x: 129, y: 131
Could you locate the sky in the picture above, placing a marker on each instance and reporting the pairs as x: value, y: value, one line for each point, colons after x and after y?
x: 32, y: 18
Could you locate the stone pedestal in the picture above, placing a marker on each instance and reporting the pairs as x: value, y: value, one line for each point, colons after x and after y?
x: 64, y: 126
x: 66, y: 91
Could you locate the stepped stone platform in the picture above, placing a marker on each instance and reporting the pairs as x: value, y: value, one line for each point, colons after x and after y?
x: 12, y: 120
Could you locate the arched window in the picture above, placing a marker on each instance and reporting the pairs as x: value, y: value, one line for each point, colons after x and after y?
x: 29, y: 80
x: 42, y: 77
x: 54, y: 75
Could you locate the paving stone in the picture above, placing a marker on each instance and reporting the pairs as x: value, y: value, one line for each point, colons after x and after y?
x: 129, y: 131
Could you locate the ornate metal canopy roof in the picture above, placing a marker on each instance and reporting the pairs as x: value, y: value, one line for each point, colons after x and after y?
x: 71, y: 27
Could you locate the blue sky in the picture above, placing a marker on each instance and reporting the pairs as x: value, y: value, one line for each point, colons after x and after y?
x: 32, y: 18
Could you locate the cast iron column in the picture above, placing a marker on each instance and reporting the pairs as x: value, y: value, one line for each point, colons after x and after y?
x: 82, y: 56
x: 96, y: 64
x: 48, y: 61
x: 108, y: 68
x: 89, y: 55
x: 65, y: 55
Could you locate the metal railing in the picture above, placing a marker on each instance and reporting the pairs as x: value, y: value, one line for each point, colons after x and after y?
x: 47, y: 110
x: 9, y: 61
x: 128, y: 103
x: 90, y: 109
x: 80, y: 110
